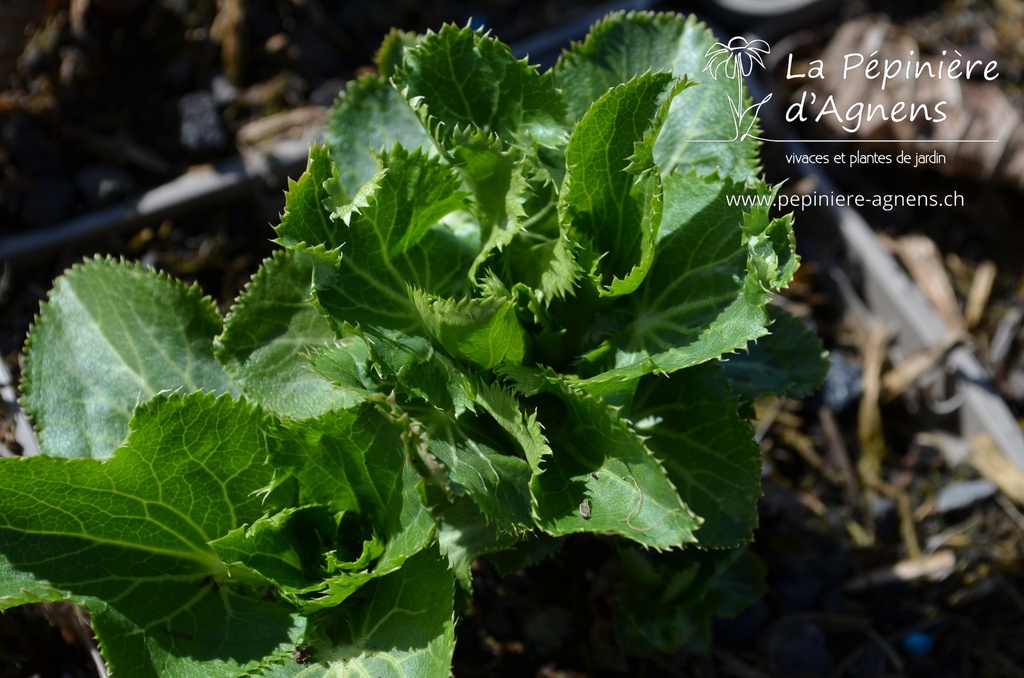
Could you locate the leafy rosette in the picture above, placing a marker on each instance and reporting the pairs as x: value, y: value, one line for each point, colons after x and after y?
x: 510, y: 305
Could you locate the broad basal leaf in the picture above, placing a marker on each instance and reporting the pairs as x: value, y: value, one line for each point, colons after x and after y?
x: 111, y: 335
x: 391, y: 242
x: 691, y: 423
x: 370, y: 116
x: 611, y: 198
x: 184, y: 477
x: 266, y: 334
x: 706, y: 293
x: 168, y: 628
x: 134, y: 533
x: 701, y: 131
x: 403, y: 626
x: 460, y: 78
x: 23, y: 588
x: 171, y: 629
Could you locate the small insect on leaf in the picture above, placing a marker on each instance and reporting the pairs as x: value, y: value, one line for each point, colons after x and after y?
x: 585, y: 509
x: 301, y: 655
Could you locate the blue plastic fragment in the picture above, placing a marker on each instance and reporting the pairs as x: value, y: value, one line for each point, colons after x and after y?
x: 918, y: 644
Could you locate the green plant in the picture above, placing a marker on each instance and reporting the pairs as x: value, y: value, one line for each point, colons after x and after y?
x: 499, y: 317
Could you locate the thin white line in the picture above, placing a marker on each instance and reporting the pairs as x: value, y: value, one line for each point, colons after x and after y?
x: 886, y: 141
x: 850, y: 141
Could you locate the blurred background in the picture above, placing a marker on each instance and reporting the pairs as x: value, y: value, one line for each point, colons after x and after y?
x: 165, y: 130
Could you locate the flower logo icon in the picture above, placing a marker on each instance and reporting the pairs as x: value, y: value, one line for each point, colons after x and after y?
x: 739, y: 55
x: 736, y: 59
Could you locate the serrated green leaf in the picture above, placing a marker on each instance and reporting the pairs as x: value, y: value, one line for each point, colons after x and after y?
x: 389, y: 54
x: 480, y: 464
x: 506, y: 410
x: 483, y: 330
x: 701, y: 132
x: 283, y: 548
x: 770, y: 244
x: 369, y: 117
x: 346, y: 364
x: 346, y: 460
x: 498, y: 180
x: 392, y: 242
x: 306, y: 225
x: 611, y: 198
x: 496, y: 119
x: 23, y: 588
x: 464, y: 534
x: 488, y: 168
x: 113, y: 334
x: 461, y: 78
x: 403, y: 626
x: 265, y: 334
x: 789, y: 362
x: 693, y: 427
x: 707, y: 290
x: 354, y: 461
x: 417, y: 369
x: 597, y: 458
x: 405, y: 211
x: 543, y: 262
